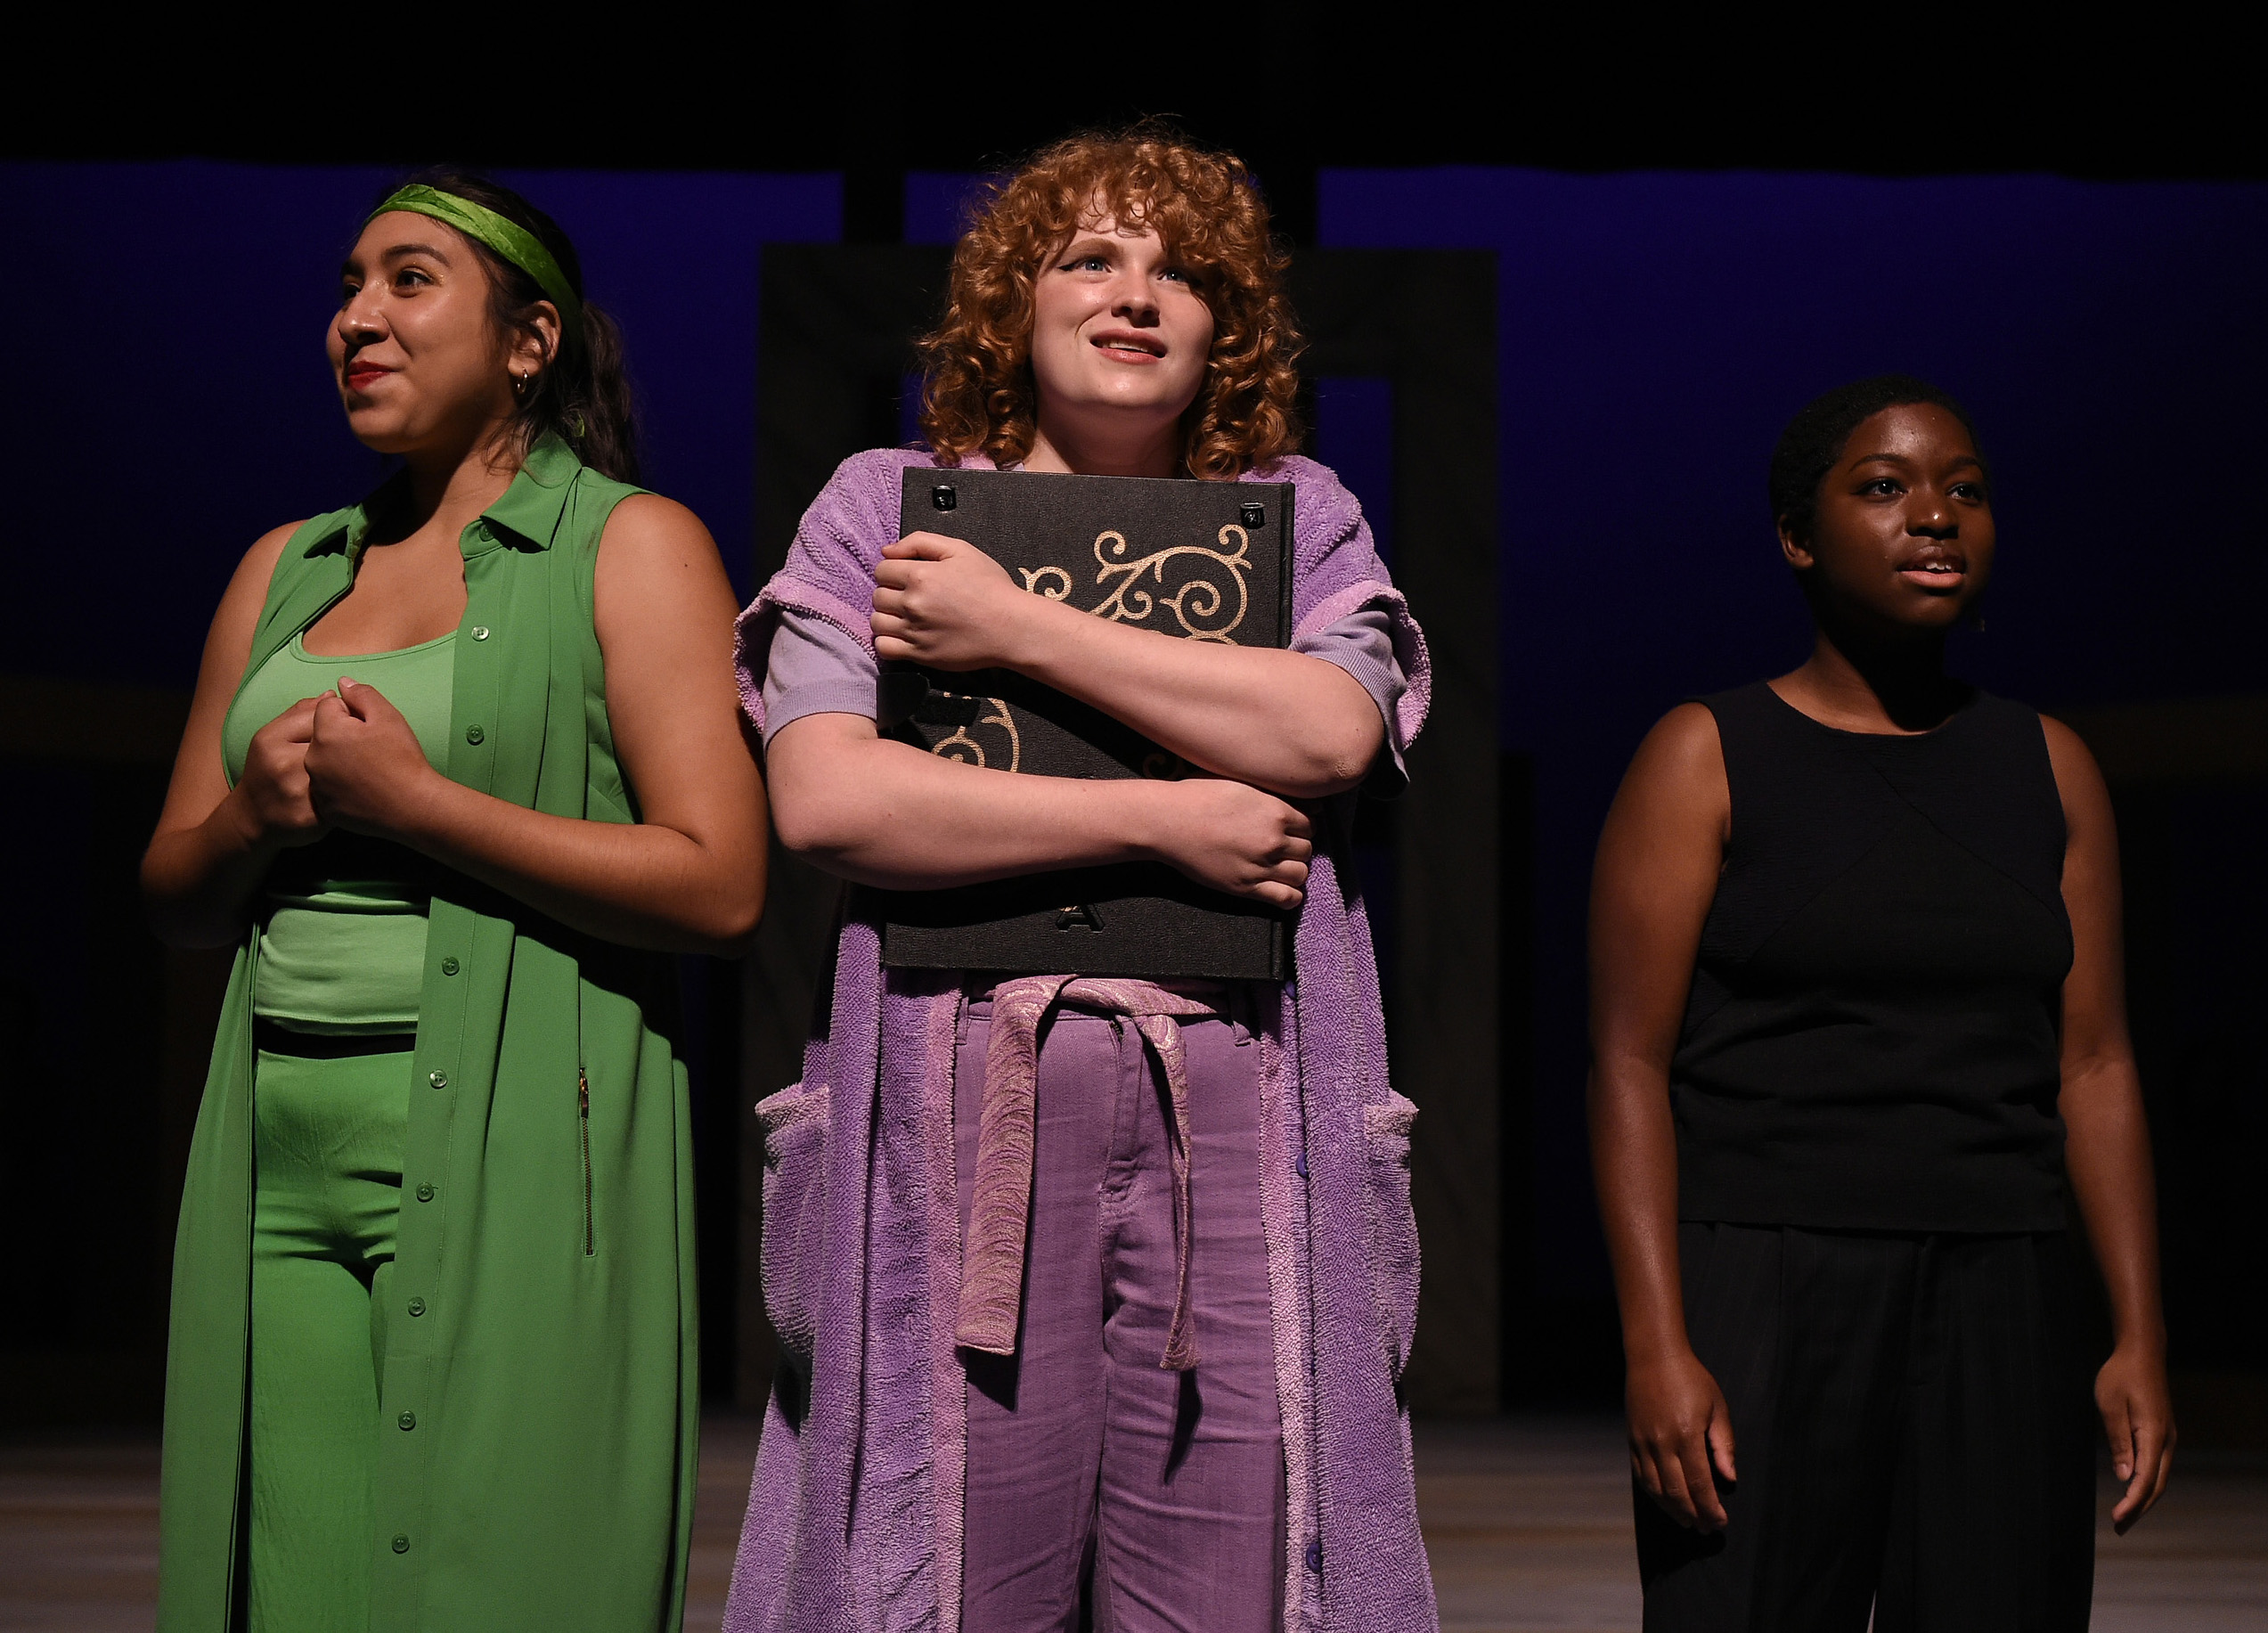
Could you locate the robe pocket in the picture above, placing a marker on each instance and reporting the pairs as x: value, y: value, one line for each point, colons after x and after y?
x: 794, y: 1209
x: 1393, y: 1226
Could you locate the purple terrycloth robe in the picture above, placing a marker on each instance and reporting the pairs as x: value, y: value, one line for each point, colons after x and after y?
x: 854, y: 1519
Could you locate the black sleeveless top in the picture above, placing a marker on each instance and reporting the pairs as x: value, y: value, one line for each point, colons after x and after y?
x: 1871, y: 1038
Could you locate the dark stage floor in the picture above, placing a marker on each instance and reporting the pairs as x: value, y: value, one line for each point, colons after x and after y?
x: 1527, y: 1521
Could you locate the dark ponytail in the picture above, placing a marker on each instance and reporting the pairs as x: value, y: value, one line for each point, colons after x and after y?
x: 583, y: 394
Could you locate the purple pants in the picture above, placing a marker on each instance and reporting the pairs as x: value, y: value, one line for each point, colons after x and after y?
x: 1093, y: 1473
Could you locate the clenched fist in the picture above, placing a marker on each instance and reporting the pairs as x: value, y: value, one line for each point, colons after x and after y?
x: 1237, y: 839
x: 274, y: 788
x: 364, y: 761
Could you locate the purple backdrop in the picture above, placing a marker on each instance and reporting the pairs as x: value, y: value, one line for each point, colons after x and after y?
x: 165, y: 401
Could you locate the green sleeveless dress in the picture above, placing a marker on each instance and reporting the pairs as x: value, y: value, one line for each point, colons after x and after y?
x: 536, y: 1433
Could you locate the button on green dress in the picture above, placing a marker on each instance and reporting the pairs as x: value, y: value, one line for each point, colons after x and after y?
x: 547, y: 1349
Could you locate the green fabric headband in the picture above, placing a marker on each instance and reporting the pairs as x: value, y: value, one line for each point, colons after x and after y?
x: 485, y: 226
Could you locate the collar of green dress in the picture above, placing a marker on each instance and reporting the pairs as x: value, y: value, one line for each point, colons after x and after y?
x: 529, y: 508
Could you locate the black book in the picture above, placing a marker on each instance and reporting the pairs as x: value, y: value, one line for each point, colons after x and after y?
x: 1199, y: 561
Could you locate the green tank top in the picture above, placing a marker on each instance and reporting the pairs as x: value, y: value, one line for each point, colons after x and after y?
x: 343, y: 921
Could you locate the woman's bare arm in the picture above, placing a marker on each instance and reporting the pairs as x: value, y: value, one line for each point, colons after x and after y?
x: 2107, y: 1138
x: 214, y: 844
x: 1657, y: 864
x: 883, y: 813
x: 688, y: 876
x: 1277, y: 720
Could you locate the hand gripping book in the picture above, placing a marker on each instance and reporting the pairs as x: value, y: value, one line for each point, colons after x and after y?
x: 1196, y: 560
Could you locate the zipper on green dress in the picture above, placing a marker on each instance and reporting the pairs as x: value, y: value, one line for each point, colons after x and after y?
x: 582, y: 1107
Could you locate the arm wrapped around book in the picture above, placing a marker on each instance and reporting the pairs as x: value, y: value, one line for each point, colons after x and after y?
x: 1201, y: 561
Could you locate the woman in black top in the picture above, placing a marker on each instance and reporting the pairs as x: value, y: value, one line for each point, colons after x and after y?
x: 1856, y: 1023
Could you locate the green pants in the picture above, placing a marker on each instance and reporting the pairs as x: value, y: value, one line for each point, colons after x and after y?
x: 327, y: 1178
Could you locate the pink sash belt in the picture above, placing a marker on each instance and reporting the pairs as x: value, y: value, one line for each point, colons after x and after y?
x: 1000, y: 1203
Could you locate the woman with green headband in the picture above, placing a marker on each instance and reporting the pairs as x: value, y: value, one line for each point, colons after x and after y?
x: 463, y: 766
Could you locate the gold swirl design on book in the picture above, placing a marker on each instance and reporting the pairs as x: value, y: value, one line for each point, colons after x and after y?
x: 1199, y: 602
x: 1033, y: 574
x: 946, y: 747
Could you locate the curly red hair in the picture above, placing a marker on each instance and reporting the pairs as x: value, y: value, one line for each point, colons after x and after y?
x: 978, y: 395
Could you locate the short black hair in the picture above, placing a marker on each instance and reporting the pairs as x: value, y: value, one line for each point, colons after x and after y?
x: 1816, y: 439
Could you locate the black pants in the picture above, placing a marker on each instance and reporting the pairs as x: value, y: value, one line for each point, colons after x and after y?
x: 1912, y: 1425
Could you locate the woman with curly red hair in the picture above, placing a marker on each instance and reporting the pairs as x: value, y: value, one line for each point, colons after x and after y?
x: 1116, y: 309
